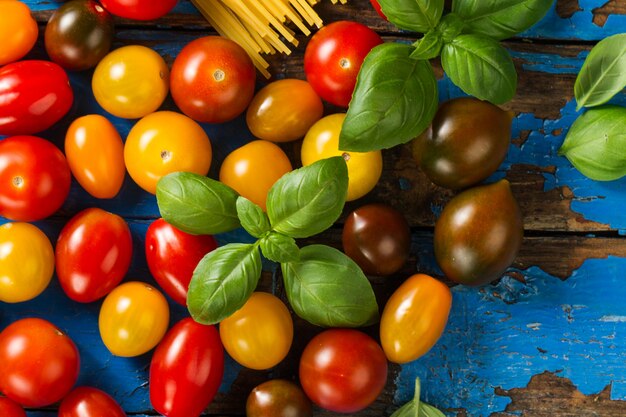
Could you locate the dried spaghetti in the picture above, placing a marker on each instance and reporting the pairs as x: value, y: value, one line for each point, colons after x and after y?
x: 261, y: 26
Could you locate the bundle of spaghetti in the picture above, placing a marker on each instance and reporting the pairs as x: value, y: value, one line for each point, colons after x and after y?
x: 261, y: 26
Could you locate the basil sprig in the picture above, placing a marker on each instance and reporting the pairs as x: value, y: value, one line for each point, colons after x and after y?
x: 387, y: 105
x: 302, y: 203
x: 416, y: 408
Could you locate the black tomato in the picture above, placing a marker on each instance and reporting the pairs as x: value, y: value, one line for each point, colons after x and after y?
x: 278, y: 398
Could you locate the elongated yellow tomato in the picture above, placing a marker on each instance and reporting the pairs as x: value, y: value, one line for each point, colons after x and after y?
x: 133, y: 319
x: 165, y: 142
x: 322, y: 141
x: 18, y: 30
x: 259, y: 334
x: 414, y: 318
x: 131, y: 82
x: 26, y: 262
x: 95, y: 154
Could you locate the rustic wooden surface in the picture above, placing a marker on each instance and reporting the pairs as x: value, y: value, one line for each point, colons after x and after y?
x: 548, y: 339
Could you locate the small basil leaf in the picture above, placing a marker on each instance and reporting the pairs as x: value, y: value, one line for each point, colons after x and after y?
x: 395, y: 99
x: 280, y: 248
x: 252, y: 217
x: 412, y: 408
x: 604, y: 72
x: 415, y: 15
x: 500, y: 19
x: 450, y: 27
x: 428, y: 47
x: 223, y: 281
x: 196, y: 204
x: 328, y: 289
x: 481, y: 67
x: 310, y: 199
x: 427, y: 410
x: 596, y: 143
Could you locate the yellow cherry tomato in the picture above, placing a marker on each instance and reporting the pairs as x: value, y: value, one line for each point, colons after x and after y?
x: 284, y: 110
x: 131, y: 82
x: 252, y: 169
x: 95, y: 154
x: 165, y: 142
x: 259, y: 334
x: 322, y: 141
x: 414, y: 318
x: 133, y: 319
x: 18, y: 30
x: 26, y: 262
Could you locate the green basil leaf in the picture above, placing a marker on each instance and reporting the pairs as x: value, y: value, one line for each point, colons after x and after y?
x: 428, y: 47
x: 196, y: 204
x: 596, y: 143
x: 603, y: 74
x: 395, y: 100
x: 310, y: 199
x: 326, y: 288
x: 252, y: 217
x: 500, y: 19
x: 280, y: 248
x: 223, y: 281
x: 412, y: 408
x: 416, y: 15
x: 427, y: 410
x: 481, y: 67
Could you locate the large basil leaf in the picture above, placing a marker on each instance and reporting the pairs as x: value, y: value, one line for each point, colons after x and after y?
x: 604, y: 72
x: 416, y: 408
x: 415, y: 15
x: 596, y: 143
x: 223, y: 281
x: 196, y: 204
x: 252, y: 217
x: 395, y: 100
x: 500, y: 19
x: 326, y: 288
x: 310, y: 199
x: 280, y: 248
x: 481, y: 67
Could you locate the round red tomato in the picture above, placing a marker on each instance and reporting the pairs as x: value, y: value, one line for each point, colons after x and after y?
x: 186, y: 369
x: 9, y: 408
x: 39, y: 363
x: 212, y: 79
x: 139, y: 9
x: 333, y: 58
x: 34, y: 95
x: 172, y: 256
x: 89, y: 402
x: 343, y: 370
x: 34, y: 178
x: 93, y: 254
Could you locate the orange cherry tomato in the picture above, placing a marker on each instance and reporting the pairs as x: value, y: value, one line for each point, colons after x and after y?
x: 414, y: 318
x: 95, y: 154
x: 18, y: 30
x: 252, y: 169
x: 165, y: 142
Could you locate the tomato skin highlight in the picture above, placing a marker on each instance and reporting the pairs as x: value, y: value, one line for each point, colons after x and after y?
x: 34, y: 178
x: 89, y: 402
x: 93, y: 254
x: 186, y: 369
x: 173, y: 255
x: 34, y: 95
x: 34, y: 351
x: 18, y: 31
x: 9, y: 408
x: 139, y: 9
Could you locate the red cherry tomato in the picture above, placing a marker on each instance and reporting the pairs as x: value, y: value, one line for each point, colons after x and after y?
x: 9, y: 408
x: 172, y: 256
x: 186, y: 369
x: 212, y: 79
x: 333, y: 58
x: 35, y: 178
x: 139, y: 9
x: 343, y: 370
x: 93, y: 254
x: 89, y: 402
x: 378, y: 9
x: 38, y: 363
x: 34, y: 95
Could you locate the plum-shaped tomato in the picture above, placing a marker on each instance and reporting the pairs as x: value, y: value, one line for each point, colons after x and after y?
x: 479, y: 234
x: 466, y: 142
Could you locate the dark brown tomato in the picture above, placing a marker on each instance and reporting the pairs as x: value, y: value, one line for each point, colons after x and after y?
x: 79, y: 34
x: 479, y: 234
x: 466, y: 142
x: 278, y: 398
x: 377, y: 237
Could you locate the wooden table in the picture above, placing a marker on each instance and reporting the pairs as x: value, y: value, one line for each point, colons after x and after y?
x: 548, y: 339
